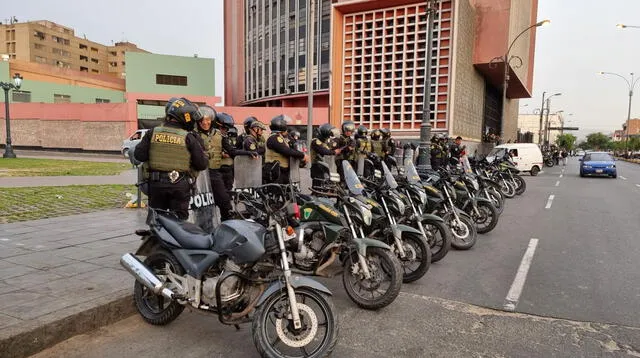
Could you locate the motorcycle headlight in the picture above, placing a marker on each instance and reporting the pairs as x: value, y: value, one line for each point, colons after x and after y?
x: 366, y: 215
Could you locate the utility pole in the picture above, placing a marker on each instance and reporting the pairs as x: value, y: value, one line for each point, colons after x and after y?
x: 309, y: 71
x: 424, y: 158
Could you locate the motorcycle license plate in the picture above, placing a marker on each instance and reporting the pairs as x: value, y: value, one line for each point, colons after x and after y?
x: 598, y: 170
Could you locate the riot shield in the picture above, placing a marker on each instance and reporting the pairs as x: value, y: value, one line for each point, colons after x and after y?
x: 399, y: 155
x: 202, y: 205
x: 351, y: 178
x: 247, y: 172
x: 294, y: 170
x: 391, y: 181
x: 408, y: 155
x: 329, y: 161
x: 360, y: 165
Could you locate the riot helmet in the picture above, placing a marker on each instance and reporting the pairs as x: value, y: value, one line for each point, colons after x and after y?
x: 325, y: 131
x: 223, y: 121
x: 247, y: 123
x: 375, y: 134
x: 278, y: 124
x: 386, y: 133
x: 348, y: 126
x: 184, y: 113
x: 208, y: 114
x: 166, y: 106
x: 294, y: 134
x: 233, y: 132
x: 362, y: 131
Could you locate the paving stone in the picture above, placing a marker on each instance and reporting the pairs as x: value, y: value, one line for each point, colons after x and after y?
x: 9, y: 270
x: 111, y: 261
x: 6, y: 321
x: 78, y: 253
x: 40, y: 260
x: 44, y: 305
x: 7, y: 251
x: 38, y: 244
x: 74, y: 269
x: 32, y: 279
x: 14, y: 298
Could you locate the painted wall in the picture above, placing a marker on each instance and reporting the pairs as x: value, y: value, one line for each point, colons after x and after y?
x: 44, y: 92
x: 141, y: 70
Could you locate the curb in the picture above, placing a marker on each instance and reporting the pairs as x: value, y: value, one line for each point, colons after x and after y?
x: 25, y: 340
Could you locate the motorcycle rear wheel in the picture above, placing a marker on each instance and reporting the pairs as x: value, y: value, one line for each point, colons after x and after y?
x: 522, y: 184
x: 317, y: 337
x: 156, y: 309
x: 383, y: 265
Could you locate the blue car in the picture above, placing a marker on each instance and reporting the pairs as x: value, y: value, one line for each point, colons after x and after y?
x: 598, y: 163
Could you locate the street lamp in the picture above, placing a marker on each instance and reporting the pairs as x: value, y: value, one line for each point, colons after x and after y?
x: 546, y: 127
x: 632, y: 85
x: 424, y: 158
x: 623, y: 26
x: 6, y: 86
x: 542, y: 109
x: 506, y: 60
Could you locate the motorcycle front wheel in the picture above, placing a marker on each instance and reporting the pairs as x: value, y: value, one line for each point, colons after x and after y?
x: 439, y: 236
x: 275, y: 336
x: 464, y: 233
x: 417, y: 257
x: 487, y: 219
x: 522, y: 184
x: 385, y: 281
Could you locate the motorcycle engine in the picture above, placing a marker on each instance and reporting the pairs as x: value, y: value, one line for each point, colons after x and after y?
x: 232, y: 288
x: 307, y: 256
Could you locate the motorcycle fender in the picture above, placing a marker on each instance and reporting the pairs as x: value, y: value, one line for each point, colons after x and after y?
x: 148, y: 243
x: 363, y: 243
x: 405, y: 228
x: 296, y: 281
x: 479, y: 199
x: 432, y: 218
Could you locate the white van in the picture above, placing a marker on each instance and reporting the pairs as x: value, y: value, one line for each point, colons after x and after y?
x: 526, y: 156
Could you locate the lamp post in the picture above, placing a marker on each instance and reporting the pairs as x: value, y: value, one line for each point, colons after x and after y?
x: 546, y: 127
x: 632, y: 84
x: 6, y: 86
x: 424, y: 158
x: 623, y: 26
x: 506, y: 60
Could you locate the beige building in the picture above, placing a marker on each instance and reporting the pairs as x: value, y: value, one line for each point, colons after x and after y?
x: 531, y: 123
x: 49, y: 43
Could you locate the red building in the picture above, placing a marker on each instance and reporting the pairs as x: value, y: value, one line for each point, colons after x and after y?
x: 369, y: 63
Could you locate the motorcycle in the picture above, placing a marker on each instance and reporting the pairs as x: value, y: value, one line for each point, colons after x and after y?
x: 240, y: 273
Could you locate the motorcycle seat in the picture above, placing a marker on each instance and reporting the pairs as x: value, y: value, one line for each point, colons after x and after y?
x: 188, y: 235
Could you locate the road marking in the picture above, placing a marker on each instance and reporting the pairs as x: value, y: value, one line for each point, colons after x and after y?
x: 521, y: 276
x: 638, y: 185
x: 623, y: 178
x: 550, y: 201
x: 561, y: 175
x: 3, y: 239
x: 558, y: 183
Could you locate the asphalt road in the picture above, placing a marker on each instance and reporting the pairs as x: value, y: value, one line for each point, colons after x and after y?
x: 580, y: 295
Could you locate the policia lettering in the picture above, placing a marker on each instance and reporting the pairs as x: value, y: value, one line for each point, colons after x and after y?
x: 168, y: 151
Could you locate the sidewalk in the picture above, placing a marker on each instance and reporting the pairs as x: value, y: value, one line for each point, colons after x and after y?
x: 60, y: 277
x: 128, y: 177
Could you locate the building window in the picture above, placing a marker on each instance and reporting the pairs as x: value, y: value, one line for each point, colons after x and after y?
x: 83, y: 46
x: 61, y: 98
x: 95, y: 60
x: 94, y: 71
x: 84, y: 58
x: 41, y: 59
x: 171, y: 80
x: 113, y: 64
x: 39, y: 35
x: 84, y: 69
x: 103, y: 100
x: 21, y: 96
x: 113, y: 53
x: 39, y: 46
x: 93, y: 49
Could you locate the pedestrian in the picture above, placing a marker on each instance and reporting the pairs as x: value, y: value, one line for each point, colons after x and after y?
x: 564, y: 155
x: 174, y: 154
x: 278, y: 153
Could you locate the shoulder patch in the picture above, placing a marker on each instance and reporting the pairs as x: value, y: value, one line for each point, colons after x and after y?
x: 318, y: 142
x: 280, y: 140
x: 252, y: 146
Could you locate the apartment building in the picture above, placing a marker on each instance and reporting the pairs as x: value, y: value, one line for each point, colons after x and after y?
x: 49, y: 43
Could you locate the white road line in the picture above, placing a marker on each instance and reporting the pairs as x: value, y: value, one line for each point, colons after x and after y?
x: 623, y: 178
x: 515, y: 291
x: 558, y: 183
x: 3, y: 239
x: 561, y: 175
x: 638, y: 185
x: 550, y: 201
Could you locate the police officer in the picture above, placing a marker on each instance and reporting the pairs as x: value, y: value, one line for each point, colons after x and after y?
x: 363, y: 144
x: 278, y: 151
x: 247, y: 126
x: 254, y: 140
x: 229, y: 148
x: 173, y: 154
x: 346, y: 143
x: 377, y: 144
x: 294, y: 137
x: 321, y: 146
x: 455, y: 151
x: 389, y: 143
x: 437, y: 154
x: 211, y: 130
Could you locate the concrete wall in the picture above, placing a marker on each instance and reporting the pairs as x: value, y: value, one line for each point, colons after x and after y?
x: 467, y: 106
x: 141, y: 70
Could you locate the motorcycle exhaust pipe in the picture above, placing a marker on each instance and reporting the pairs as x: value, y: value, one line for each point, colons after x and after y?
x: 144, y: 275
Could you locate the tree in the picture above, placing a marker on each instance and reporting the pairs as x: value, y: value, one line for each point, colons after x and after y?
x: 566, y: 141
x: 598, y: 141
x: 634, y: 143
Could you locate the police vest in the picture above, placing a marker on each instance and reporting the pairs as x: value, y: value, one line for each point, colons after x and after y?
x: 168, y: 150
x: 364, y: 146
x: 213, y: 146
x: 273, y: 156
x: 315, y: 157
x: 378, y: 147
x: 227, y: 160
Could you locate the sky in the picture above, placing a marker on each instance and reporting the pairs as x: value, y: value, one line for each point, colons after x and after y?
x: 581, y: 40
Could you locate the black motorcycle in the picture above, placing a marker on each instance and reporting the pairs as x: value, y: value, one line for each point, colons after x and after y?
x: 240, y: 273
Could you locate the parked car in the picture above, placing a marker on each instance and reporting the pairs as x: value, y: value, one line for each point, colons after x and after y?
x: 598, y: 163
x: 526, y: 156
x: 131, y: 142
x: 580, y: 152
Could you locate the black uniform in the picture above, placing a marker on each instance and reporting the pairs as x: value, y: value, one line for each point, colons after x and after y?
x: 250, y: 143
x: 163, y: 194
x: 319, y: 149
x: 455, y: 151
x: 278, y: 150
